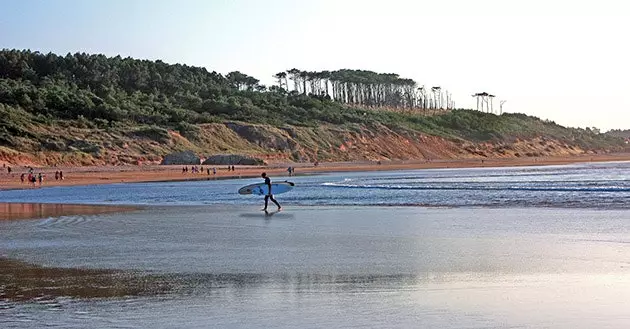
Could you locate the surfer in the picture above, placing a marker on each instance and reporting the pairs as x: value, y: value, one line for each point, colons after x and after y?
x: 269, y: 195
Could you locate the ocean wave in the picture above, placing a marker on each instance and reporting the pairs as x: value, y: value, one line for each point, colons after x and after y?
x: 483, y: 188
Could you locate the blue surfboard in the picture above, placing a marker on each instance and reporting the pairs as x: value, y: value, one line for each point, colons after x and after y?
x: 262, y: 188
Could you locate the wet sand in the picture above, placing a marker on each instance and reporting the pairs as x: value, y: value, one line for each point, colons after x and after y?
x: 24, y: 282
x: 154, y: 173
x: 334, y: 267
x: 13, y: 211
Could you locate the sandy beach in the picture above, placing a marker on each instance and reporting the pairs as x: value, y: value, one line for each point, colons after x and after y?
x: 482, y: 248
x: 154, y: 173
x: 335, y: 267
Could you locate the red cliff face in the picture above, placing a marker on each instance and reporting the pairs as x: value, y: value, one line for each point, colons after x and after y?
x: 290, y: 143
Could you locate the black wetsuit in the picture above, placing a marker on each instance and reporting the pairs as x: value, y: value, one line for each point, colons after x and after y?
x: 269, y: 195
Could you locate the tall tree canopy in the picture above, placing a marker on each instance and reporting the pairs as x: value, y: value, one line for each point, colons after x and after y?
x: 365, y: 88
x: 153, y: 92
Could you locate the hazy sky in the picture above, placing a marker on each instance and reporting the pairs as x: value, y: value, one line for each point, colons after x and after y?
x: 567, y: 61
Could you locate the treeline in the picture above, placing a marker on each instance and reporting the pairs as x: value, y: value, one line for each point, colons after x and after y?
x: 619, y: 133
x: 153, y: 92
x: 365, y: 88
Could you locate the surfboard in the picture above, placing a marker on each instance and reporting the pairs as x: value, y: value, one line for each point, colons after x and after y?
x: 262, y: 188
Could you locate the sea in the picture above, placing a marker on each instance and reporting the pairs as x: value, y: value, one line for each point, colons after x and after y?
x: 511, y: 247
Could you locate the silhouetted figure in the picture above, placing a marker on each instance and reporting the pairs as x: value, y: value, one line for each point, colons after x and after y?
x: 269, y: 194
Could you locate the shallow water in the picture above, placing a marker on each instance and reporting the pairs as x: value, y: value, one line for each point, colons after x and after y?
x: 589, y: 185
x: 347, y: 262
x: 337, y: 267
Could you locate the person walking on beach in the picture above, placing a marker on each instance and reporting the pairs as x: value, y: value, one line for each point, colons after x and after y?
x: 269, y: 194
x: 22, y: 178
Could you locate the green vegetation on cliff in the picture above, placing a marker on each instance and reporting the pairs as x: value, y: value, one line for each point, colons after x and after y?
x: 619, y: 133
x: 148, y: 98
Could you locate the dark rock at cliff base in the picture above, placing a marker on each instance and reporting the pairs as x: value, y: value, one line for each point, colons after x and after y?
x: 181, y: 158
x: 264, y: 136
x: 233, y: 159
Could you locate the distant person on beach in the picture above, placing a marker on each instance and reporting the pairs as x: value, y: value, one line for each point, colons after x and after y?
x: 233, y: 168
x: 9, y: 170
x: 214, y: 170
x: 60, y: 175
x: 22, y: 178
x: 269, y: 194
x: 57, y: 175
x: 40, y: 177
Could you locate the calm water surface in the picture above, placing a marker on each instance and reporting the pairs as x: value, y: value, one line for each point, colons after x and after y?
x: 463, y: 248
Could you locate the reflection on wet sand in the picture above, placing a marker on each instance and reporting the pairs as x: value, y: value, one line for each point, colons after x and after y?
x: 23, y: 282
x: 10, y: 211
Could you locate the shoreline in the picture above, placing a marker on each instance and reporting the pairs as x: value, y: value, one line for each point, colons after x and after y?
x: 74, y: 176
x: 24, y: 211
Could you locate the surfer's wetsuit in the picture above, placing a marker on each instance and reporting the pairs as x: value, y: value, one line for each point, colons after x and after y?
x: 270, y: 196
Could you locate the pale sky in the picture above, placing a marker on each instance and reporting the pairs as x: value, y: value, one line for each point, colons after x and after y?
x: 567, y: 61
